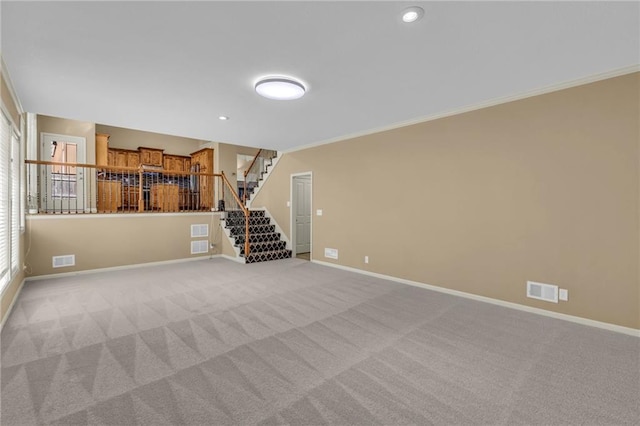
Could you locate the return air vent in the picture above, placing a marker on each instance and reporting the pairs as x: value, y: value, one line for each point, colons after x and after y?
x: 540, y: 291
x: 199, y: 230
x: 63, y: 261
x: 200, y: 246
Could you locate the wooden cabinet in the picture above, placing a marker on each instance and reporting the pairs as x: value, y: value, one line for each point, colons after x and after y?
x: 109, y: 195
x: 120, y: 158
x: 165, y: 197
x: 133, y: 159
x: 176, y: 163
x: 102, y: 149
x: 204, y: 160
x: 150, y: 156
x: 130, y: 195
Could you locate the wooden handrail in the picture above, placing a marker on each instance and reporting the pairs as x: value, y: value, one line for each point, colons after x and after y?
x: 246, y: 215
x: 126, y: 169
x: 246, y: 172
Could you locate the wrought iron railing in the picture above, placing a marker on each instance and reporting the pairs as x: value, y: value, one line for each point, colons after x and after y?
x: 74, y: 188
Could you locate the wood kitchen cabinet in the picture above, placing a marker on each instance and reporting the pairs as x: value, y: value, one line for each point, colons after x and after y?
x: 150, y: 156
x: 120, y: 158
x: 133, y: 159
x: 204, y: 161
x: 109, y: 195
x: 176, y: 163
x: 165, y: 197
x: 130, y: 195
x: 102, y: 149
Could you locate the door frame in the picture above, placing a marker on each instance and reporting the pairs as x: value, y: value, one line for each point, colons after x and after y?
x: 83, y: 175
x: 292, y: 210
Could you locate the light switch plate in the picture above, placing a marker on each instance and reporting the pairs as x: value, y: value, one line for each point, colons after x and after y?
x: 563, y: 294
x: 319, y: 212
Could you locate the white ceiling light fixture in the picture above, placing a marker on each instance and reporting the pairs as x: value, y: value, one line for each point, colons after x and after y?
x: 412, y: 14
x: 223, y: 117
x: 280, y: 88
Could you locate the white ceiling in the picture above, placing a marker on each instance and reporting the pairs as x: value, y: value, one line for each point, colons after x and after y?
x: 174, y: 67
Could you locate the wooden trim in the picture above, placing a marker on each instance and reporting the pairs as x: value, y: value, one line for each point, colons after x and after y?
x: 129, y: 169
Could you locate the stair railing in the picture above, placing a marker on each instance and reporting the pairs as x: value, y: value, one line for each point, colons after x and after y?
x: 233, y: 203
x: 256, y: 170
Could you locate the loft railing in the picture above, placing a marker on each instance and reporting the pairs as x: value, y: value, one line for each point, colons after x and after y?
x: 255, y: 171
x: 76, y: 188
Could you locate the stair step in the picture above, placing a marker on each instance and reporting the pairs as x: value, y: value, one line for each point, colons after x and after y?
x: 264, y: 246
x: 240, y: 213
x: 265, y: 256
x: 253, y: 229
x: 257, y: 238
x: 253, y: 220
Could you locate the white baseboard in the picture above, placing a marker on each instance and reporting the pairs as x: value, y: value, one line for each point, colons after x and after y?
x: 123, y: 267
x: 584, y: 321
x: 233, y: 259
x: 13, y: 302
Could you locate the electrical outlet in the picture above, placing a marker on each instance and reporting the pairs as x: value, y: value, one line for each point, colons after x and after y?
x: 366, y: 259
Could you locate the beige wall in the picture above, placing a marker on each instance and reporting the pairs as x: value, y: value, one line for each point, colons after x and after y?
x: 544, y: 189
x: 116, y: 240
x: 132, y: 139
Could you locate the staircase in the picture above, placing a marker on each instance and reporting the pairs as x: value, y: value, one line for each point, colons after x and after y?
x: 257, y: 172
x: 264, y: 242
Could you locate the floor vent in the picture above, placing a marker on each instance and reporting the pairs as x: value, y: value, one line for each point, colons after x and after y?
x: 63, y: 261
x: 540, y: 291
x: 199, y: 230
x: 200, y: 246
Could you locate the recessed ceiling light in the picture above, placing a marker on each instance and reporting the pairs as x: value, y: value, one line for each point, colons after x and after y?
x: 412, y: 14
x: 223, y: 117
x: 280, y: 88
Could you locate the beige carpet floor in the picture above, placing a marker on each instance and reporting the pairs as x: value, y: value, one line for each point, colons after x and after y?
x: 292, y: 342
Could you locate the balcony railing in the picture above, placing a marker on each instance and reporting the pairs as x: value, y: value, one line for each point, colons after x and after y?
x: 74, y: 188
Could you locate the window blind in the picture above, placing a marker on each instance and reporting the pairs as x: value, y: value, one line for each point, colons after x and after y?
x: 5, y: 149
x: 15, y: 201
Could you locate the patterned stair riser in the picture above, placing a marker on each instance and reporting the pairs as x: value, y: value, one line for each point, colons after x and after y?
x: 239, y: 221
x: 264, y: 246
x: 264, y: 242
x: 239, y: 213
x: 253, y: 229
x: 258, y: 238
x: 265, y: 256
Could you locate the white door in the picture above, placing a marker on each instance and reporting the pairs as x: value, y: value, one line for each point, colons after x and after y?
x: 62, y: 186
x: 302, y: 213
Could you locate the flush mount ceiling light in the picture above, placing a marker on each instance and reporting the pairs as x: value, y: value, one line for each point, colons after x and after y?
x: 412, y: 14
x: 280, y: 88
x: 223, y: 117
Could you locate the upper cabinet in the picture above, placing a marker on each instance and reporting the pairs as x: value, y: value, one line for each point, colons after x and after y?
x: 145, y: 156
x: 102, y: 149
x: 176, y: 163
x: 151, y: 156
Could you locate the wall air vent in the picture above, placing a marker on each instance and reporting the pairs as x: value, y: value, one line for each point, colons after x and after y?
x: 63, y: 261
x: 540, y: 291
x: 199, y: 230
x: 200, y: 246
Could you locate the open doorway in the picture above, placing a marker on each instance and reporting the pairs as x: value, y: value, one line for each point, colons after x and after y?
x: 301, y: 221
x: 63, y: 185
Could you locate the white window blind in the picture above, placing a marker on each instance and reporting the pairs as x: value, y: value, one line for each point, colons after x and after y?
x: 15, y: 200
x: 5, y: 149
